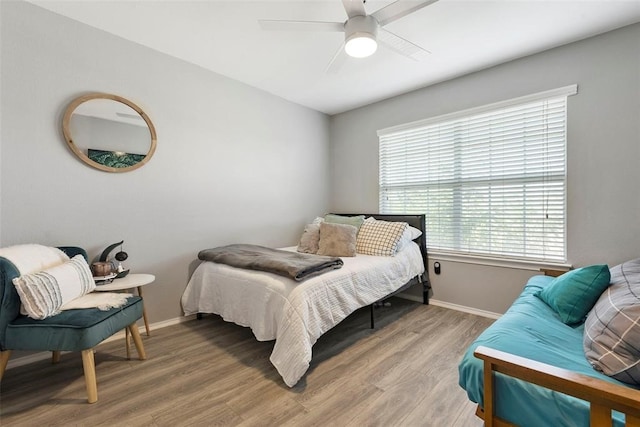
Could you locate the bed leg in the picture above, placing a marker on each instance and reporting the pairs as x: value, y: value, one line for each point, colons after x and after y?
x: 199, y: 316
x: 372, y: 321
x: 425, y: 290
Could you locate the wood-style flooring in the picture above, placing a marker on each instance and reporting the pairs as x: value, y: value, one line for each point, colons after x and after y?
x: 209, y: 372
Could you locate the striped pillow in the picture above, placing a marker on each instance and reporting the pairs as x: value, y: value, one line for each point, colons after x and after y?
x: 612, y: 329
x: 43, y: 293
x: 379, y: 238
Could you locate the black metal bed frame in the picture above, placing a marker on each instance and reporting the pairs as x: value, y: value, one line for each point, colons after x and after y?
x: 418, y: 221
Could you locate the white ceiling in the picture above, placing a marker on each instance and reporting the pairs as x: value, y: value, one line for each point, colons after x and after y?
x: 463, y: 36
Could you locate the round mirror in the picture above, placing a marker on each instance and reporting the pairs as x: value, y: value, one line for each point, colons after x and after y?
x: 109, y: 132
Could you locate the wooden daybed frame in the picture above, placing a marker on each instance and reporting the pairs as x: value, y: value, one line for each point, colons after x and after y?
x: 602, y: 395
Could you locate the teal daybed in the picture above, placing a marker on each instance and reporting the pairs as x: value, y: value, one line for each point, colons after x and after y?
x: 513, y: 347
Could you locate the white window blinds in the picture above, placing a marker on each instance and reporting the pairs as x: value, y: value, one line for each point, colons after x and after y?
x: 491, y: 180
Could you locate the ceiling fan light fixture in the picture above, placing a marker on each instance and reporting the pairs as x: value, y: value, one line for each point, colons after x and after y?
x: 360, y: 36
x: 361, y: 45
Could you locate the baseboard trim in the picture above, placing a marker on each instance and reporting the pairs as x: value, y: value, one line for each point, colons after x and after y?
x: 36, y: 357
x: 457, y: 307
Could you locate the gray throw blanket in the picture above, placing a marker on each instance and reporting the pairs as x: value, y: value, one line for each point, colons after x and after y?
x: 294, y: 265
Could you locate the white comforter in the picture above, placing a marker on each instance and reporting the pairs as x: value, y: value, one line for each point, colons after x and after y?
x: 296, y: 314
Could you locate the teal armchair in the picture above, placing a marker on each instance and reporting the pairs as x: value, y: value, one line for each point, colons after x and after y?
x: 71, y: 330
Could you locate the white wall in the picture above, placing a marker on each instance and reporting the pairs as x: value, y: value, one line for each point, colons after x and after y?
x: 603, y: 153
x: 233, y: 164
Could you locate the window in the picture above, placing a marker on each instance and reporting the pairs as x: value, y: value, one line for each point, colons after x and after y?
x: 491, y: 180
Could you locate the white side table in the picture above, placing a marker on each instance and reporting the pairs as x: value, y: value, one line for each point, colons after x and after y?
x: 130, y: 281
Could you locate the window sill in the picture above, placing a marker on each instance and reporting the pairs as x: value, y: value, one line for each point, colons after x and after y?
x: 518, y: 264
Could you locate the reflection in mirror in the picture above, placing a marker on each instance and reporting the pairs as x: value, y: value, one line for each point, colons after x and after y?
x: 109, y: 132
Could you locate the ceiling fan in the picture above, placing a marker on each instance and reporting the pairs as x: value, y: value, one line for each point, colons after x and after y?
x: 362, y: 32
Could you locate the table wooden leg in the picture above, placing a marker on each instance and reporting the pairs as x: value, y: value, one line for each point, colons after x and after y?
x: 144, y: 312
x: 137, y: 340
x: 126, y: 343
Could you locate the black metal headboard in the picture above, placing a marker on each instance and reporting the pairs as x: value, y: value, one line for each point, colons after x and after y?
x: 417, y: 221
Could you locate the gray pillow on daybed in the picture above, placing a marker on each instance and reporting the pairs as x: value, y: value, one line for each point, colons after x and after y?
x: 612, y: 329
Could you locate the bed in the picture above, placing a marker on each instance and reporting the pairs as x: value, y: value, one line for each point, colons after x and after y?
x: 296, y: 314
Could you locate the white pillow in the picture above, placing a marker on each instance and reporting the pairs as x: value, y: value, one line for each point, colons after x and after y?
x: 410, y: 234
x: 43, y: 294
x: 31, y: 258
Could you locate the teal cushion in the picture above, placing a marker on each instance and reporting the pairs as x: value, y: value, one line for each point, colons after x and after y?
x: 573, y: 294
x: 356, y: 221
x: 71, y: 330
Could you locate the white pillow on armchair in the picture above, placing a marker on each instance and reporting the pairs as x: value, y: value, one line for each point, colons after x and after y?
x: 44, y: 293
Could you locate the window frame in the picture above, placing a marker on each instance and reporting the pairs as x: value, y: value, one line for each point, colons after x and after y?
x: 482, y: 258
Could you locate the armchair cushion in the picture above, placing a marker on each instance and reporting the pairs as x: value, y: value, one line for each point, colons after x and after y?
x: 71, y: 330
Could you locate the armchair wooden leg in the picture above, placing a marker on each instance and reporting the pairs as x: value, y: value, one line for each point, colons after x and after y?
x: 137, y: 340
x: 89, y: 365
x: 4, y: 359
x: 55, y: 356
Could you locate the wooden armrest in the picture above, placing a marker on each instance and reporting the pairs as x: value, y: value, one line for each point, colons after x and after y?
x: 603, y: 395
x: 553, y: 272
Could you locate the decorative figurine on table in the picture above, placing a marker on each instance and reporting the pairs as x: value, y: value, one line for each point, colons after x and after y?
x: 116, y: 266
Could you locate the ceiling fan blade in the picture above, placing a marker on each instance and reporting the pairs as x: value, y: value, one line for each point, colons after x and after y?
x: 266, y: 24
x: 402, y: 46
x: 398, y: 9
x: 354, y: 8
x: 337, y: 61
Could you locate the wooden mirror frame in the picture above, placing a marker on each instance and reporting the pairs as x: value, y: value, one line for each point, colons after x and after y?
x: 84, y: 157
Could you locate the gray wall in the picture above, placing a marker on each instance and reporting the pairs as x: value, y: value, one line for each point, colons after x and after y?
x: 233, y: 164
x: 603, y: 154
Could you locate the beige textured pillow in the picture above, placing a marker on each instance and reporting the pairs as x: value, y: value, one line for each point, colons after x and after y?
x: 337, y: 240
x: 310, y: 239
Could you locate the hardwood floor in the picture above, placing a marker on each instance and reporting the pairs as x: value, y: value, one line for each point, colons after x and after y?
x: 210, y: 372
